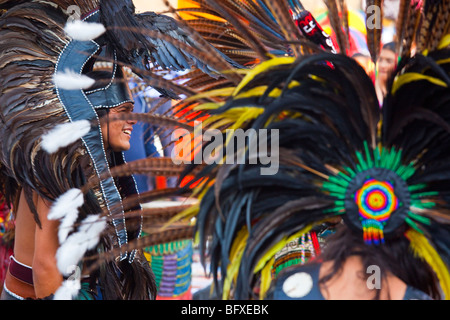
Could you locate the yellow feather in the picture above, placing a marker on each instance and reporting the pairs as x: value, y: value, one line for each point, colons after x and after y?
x: 200, y: 189
x: 266, y: 278
x: 212, y: 93
x: 412, y: 76
x: 196, y: 238
x: 216, y: 121
x: 236, y: 252
x: 294, y: 83
x: 186, y: 214
x: 421, y: 246
x: 261, y: 68
x: 208, y: 106
x: 245, y: 114
x: 239, y: 242
x: 235, y: 116
x: 148, y: 256
x: 445, y: 42
x: 258, y: 91
x: 443, y: 61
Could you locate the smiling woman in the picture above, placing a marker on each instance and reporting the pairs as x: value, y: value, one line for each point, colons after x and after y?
x: 116, y: 134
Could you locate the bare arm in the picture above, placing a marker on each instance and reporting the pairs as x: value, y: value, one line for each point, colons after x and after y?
x: 46, y: 276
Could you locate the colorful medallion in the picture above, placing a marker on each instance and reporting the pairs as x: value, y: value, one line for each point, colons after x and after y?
x: 375, y: 196
x: 376, y: 201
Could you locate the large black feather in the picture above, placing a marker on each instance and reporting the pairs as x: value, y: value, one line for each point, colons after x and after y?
x: 126, y: 30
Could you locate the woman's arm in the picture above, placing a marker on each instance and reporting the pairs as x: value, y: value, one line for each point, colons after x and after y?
x: 46, y: 276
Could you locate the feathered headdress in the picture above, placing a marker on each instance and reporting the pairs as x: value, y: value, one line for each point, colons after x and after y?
x: 334, y: 151
x: 51, y: 135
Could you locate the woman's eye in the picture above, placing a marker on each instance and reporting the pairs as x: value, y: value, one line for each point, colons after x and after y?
x: 123, y: 109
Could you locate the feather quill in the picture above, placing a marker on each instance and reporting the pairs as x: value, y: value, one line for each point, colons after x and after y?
x: 411, y: 26
x: 374, y: 28
x: 253, y: 41
x: 402, y: 20
x: 220, y: 62
x: 437, y: 32
x: 429, y: 9
x: 154, y: 238
x: 336, y: 24
x: 345, y: 21
x: 281, y: 12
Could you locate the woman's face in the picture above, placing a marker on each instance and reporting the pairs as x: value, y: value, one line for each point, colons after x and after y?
x: 386, y: 63
x: 116, y: 134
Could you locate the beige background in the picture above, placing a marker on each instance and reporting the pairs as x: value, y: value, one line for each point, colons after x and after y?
x: 158, y: 5
x: 152, y: 5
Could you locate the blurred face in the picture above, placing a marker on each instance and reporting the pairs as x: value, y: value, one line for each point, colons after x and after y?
x: 116, y: 134
x: 386, y: 63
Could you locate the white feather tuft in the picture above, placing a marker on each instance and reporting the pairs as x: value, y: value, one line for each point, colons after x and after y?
x: 66, y: 209
x: 69, y: 201
x: 64, y: 134
x: 70, y: 80
x: 84, y: 31
x: 68, y: 290
x: 70, y: 252
x: 86, y: 238
x: 92, y: 226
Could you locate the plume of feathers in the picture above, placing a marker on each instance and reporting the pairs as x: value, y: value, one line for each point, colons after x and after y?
x: 326, y: 117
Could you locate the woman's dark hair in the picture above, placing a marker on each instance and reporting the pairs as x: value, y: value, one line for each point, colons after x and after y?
x: 359, y: 54
x: 390, y: 46
x: 394, y: 256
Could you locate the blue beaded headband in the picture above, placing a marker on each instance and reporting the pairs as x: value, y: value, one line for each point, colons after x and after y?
x: 82, y: 105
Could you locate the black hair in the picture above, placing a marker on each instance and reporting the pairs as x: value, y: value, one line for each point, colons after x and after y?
x: 390, y: 46
x: 359, y: 54
x: 394, y: 256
